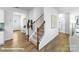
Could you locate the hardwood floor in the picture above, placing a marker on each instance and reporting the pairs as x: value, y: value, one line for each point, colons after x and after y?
x: 59, y: 44
x: 20, y: 43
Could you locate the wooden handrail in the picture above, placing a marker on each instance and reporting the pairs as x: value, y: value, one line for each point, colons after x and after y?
x: 41, y: 25
x: 37, y: 19
x: 37, y: 28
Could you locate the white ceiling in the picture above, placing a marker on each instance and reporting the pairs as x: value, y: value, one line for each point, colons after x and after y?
x: 25, y: 8
x: 67, y: 9
x: 59, y: 9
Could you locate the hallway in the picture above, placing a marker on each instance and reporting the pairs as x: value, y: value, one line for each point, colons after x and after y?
x: 20, y: 43
x: 59, y: 44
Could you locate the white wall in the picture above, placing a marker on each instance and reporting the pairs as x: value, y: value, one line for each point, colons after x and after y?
x: 1, y: 37
x: 1, y: 32
x: 1, y: 16
x: 67, y: 23
x: 50, y: 33
x: 8, y: 25
x: 72, y: 20
x: 9, y: 20
x: 35, y: 13
x: 74, y: 40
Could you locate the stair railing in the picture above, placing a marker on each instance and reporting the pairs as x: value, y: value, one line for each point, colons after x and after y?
x: 36, y: 29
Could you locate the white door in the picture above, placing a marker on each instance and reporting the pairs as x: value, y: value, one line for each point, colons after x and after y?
x: 62, y: 23
x: 1, y: 26
x: 16, y: 22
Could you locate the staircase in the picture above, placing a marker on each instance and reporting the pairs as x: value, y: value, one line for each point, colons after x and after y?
x: 38, y: 33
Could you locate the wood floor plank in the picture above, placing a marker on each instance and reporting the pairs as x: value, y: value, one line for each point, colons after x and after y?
x: 59, y: 44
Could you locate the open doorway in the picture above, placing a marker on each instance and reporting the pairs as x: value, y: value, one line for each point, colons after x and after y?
x: 19, y: 29
x: 62, y: 23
